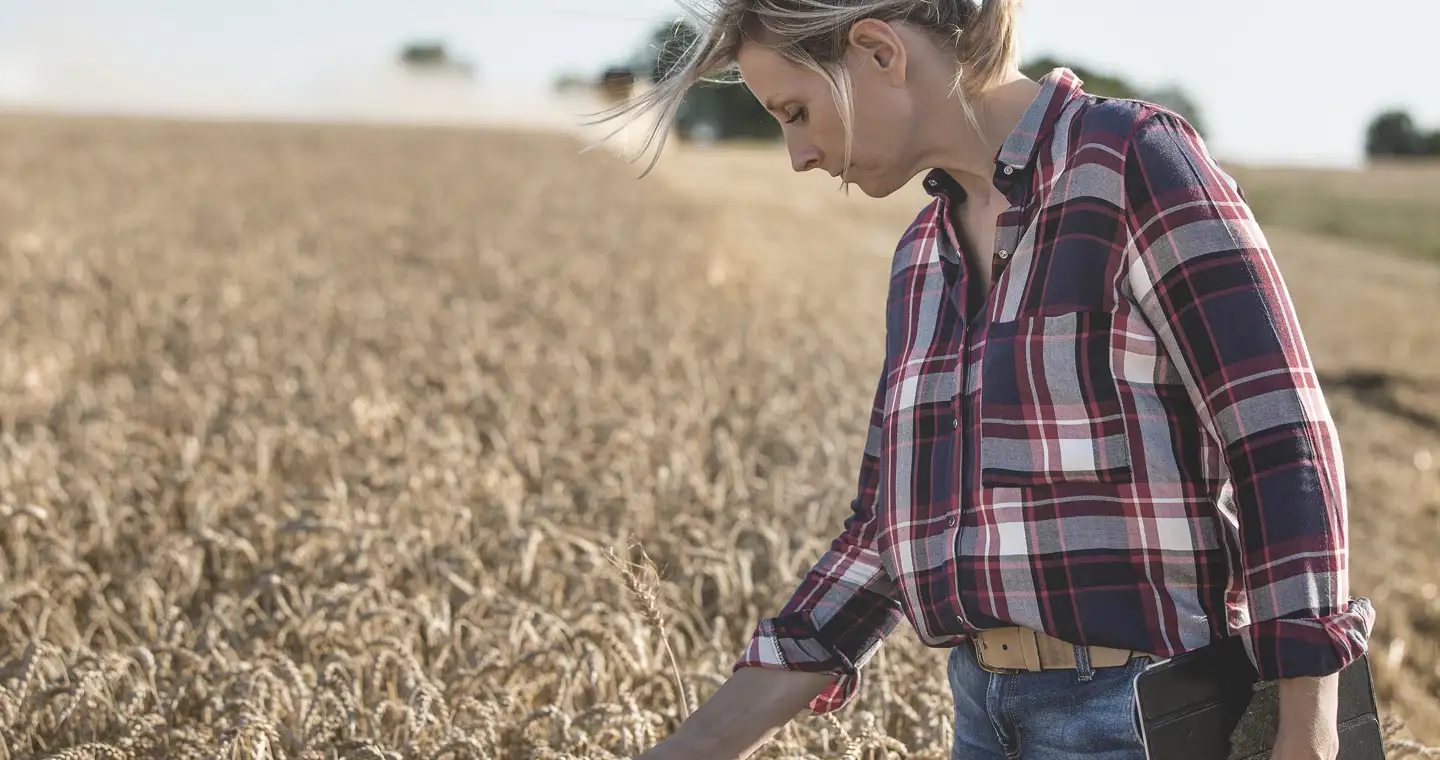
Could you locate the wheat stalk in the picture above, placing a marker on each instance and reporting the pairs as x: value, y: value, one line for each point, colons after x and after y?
x: 311, y: 444
x: 642, y: 580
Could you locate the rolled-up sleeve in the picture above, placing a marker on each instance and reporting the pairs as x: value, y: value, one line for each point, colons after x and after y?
x: 1204, y: 276
x: 845, y: 605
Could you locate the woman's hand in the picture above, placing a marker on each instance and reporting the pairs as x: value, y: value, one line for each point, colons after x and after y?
x: 743, y: 714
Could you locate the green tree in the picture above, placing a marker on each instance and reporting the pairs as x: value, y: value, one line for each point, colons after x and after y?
x: 1105, y: 85
x: 712, y: 110
x: 1393, y: 133
x: 667, y: 48
x: 1096, y: 83
x: 433, y: 56
x: 425, y: 53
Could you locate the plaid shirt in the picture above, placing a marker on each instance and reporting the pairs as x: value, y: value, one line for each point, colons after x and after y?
x: 1125, y: 445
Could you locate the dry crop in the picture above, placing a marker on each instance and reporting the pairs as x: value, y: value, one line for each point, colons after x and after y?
x: 317, y: 442
x: 1389, y: 205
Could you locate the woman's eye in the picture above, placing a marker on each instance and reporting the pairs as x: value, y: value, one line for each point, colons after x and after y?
x: 797, y: 116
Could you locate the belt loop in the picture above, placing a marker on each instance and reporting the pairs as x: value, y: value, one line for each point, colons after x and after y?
x: 1082, y: 664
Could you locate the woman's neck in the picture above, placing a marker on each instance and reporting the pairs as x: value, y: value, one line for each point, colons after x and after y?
x: 954, y: 144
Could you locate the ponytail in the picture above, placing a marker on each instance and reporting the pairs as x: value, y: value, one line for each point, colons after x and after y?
x: 988, y: 46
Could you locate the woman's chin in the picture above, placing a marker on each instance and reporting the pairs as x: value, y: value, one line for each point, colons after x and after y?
x: 871, y: 185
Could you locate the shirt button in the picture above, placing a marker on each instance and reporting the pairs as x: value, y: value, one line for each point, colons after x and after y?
x: 1009, y: 170
x: 954, y: 423
x: 950, y: 522
x: 1004, y: 254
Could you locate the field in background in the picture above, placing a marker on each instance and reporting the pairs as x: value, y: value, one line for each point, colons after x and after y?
x: 1391, y: 206
x: 315, y: 440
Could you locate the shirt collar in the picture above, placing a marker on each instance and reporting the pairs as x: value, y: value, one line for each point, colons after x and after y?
x: 1017, y: 154
x: 1057, y: 89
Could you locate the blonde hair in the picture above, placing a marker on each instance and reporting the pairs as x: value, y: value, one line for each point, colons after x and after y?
x: 814, y: 34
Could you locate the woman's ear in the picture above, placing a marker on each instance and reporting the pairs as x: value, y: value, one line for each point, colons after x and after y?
x: 881, y: 47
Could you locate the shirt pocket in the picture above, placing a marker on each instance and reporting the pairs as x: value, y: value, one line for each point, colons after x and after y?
x: 1050, y: 408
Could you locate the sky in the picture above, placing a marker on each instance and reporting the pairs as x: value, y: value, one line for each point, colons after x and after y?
x: 1278, y: 81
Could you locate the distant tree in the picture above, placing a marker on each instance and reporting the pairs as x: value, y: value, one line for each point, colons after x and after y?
x: 668, y: 45
x: 712, y: 110
x: 432, y: 57
x: 1109, y: 86
x: 1104, y: 85
x: 1393, y: 133
x: 424, y: 54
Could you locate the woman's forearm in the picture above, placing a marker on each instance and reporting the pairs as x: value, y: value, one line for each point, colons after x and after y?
x: 1308, y: 729
x: 746, y: 711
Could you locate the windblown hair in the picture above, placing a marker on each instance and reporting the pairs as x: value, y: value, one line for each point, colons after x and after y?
x: 814, y: 34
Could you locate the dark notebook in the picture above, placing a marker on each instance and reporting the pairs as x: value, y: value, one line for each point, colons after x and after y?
x: 1210, y: 705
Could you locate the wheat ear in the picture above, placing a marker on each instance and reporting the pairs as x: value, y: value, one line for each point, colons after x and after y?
x: 642, y: 580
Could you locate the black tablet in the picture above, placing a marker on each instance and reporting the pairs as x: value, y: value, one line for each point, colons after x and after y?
x: 1210, y: 705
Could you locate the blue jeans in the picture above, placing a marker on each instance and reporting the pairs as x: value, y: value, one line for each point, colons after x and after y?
x: 1054, y: 715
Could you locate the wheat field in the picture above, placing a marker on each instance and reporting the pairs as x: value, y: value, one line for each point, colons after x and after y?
x: 362, y: 442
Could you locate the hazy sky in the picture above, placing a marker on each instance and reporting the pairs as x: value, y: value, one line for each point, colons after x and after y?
x: 1280, y: 81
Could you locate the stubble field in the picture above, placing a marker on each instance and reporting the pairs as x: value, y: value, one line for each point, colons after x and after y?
x: 315, y: 441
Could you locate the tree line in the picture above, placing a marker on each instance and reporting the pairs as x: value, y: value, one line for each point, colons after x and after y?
x: 1394, y: 134
x: 726, y: 110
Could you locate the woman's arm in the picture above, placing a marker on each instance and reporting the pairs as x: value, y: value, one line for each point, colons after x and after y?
x: 1204, y: 277
x: 744, y: 713
x: 810, y: 654
x: 847, y: 603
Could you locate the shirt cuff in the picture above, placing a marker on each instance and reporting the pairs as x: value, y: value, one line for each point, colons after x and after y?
x: 788, y: 642
x: 1310, y: 647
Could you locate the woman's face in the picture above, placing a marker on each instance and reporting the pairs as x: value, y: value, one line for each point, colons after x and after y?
x: 801, y: 99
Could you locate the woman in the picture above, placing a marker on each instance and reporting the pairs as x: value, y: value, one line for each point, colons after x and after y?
x: 1097, y: 437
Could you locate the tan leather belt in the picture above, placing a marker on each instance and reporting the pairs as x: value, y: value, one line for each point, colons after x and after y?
x: 1025, y: 650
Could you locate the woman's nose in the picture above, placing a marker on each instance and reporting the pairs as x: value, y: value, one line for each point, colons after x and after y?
x: 805, y: 158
